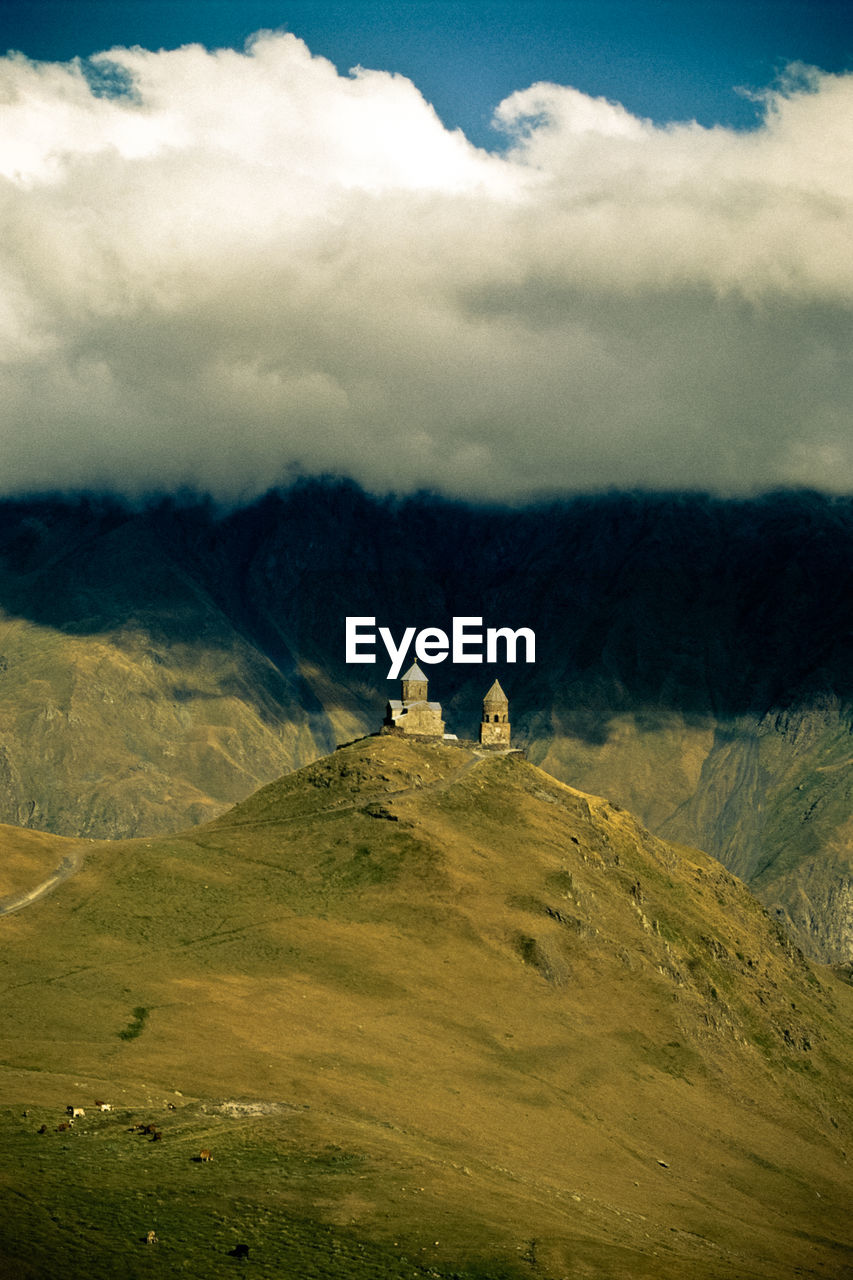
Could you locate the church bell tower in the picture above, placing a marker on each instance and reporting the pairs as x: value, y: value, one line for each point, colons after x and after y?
x: 495, y: 728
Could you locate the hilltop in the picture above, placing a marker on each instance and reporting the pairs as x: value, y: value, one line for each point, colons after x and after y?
x: 160, y: 663
x: 434, y: 1013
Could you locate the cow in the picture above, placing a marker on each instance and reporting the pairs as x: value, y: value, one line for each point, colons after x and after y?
x: 104, y: 1106
x: 240, y: 1251
x: 76, y: 1113
x: 156, y: 1136
x: 43, y: 1129
x: 61, y: 1128
x: 204, y: 1156
x: 151, y: 1238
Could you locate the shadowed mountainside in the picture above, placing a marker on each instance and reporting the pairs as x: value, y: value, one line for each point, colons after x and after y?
x: 432, y: 1014
x: 693, y: 660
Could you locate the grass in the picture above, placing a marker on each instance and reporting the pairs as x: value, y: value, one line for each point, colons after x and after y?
x: 458, y: 1026
x: 101, y: 1188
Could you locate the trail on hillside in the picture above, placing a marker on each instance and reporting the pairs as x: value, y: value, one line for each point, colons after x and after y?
x: 441, y: 784
x: 70, y: 864
x: 359, y: 802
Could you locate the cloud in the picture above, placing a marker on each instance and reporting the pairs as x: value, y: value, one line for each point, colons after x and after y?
x: 219, y: 269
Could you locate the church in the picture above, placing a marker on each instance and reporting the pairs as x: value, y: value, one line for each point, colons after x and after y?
x: 413, y: 714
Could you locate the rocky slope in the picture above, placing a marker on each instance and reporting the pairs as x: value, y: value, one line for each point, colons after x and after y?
x: 693, y: 660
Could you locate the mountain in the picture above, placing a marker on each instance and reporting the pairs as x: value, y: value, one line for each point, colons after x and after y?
x: 159, y: 662
x: 432, y: 1013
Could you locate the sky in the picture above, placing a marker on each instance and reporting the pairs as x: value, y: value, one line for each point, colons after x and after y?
x: 500, y: 251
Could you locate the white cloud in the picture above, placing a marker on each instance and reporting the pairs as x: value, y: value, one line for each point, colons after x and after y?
x: 250, y: 263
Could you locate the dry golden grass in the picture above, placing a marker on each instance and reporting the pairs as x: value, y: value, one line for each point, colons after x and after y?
x: 28, y: 858
x: 466, y: 1004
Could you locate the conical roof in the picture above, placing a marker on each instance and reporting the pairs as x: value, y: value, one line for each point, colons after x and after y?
x: 414, y: 673
x: 496, y: 694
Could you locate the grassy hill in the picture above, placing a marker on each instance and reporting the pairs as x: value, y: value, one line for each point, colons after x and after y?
x: 433, y: 1015
x: 160, y: 662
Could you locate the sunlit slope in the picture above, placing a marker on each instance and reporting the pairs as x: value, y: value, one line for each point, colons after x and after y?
x: 29, y: 858
x: 771, y: 795
x: 131, y: 699
x: 110, y: 734
x: 532, y: 1020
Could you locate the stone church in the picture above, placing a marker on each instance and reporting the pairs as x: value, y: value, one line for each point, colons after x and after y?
x: 414, y: 714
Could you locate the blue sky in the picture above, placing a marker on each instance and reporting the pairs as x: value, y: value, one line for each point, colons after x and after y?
x: 666, y: 59
x: 255, y: 263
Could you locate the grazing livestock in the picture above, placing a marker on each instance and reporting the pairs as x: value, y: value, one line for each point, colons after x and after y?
x: 151, y: 1238
x: 61, y: 1128
x: 204, y: 1156
x: 104, y: 1106
x: 156, y: 1136
x: 76, y: 1113
x: 43, y: 1129
x: 240, y: 1251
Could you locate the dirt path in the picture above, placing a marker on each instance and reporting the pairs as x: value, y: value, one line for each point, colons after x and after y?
x: 67, y: 867
x: 440, y: 784
x: 73, y: 861
x: 359, y: 802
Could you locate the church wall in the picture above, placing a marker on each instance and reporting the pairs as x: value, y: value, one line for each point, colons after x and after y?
x: 495, y: 735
